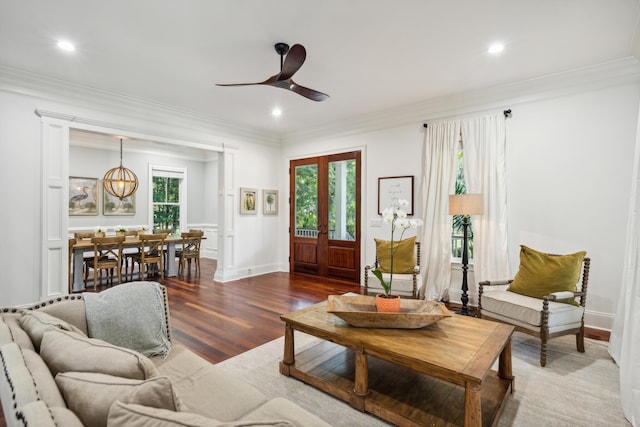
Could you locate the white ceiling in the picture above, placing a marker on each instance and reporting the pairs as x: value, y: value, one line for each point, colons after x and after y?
x: 370, y: 56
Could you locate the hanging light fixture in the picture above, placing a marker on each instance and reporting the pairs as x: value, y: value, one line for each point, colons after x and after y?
x: 120, y: 182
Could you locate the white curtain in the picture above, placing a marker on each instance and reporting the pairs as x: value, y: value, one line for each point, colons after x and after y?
x: 438, y: 181
x: 484, y: 146
x: 624, y: 343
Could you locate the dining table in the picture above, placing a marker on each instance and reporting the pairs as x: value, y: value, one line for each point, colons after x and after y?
x: 83, y: 246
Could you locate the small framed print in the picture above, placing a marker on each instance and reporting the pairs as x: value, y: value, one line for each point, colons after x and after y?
x: 392, y: 188
x: 270, y: 202
x: 112, y: 206
x: 83, y: 196
x: 248, y: 201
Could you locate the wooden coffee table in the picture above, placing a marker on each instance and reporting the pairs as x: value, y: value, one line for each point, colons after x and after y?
x: 439, y: 375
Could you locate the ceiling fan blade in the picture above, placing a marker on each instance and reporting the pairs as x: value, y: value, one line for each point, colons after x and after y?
x: 314, y: 95
x: 271, y: 80
x: 292, y: 62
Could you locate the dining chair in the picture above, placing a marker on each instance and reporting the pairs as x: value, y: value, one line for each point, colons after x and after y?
x: 87, y: 257
x: 190, y: 250
x: 128, y: 252
x: 107, y: 255
x: 150, y: 252
x: 72, y: 242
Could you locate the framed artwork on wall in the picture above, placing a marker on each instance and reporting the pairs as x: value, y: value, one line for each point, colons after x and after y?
x: 248, y: 201
x: 83, y: 196
x: 112, y: 206
x: 270, y: 202
x: 392, y: 188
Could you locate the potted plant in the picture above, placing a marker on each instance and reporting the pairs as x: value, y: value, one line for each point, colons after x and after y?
x: 120, y: 230
x: 397, y: 217
x: 99, y: 231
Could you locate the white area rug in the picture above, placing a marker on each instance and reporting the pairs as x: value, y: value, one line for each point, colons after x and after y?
x: 574, y: 389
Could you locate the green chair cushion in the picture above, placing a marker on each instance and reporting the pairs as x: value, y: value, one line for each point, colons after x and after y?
x: 404, y: 259
x: 541, y: 274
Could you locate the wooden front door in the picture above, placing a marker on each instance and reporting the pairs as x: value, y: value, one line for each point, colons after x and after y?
x: 325, y: 216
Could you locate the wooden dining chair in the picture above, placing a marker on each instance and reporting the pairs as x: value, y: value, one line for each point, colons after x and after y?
x: 151, y: 252
x: 190, y: 250
x: 128, y: 252
x: 87, y: 257
x: 107, y: 255
x: 72, y: 242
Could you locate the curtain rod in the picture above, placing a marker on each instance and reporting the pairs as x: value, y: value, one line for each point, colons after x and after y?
x: 507, y: 114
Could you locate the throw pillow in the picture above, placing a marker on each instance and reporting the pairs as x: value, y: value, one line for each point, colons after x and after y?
x: 18, y: 334
x: 541, y: 274
x: 404, y: 258
x: 42, y: 379
x: 36, y: 323
x: 90, y: 395
x: 131, y: 315
x: 133, y: 415
x: 66, y: 351
x: 40, y: 414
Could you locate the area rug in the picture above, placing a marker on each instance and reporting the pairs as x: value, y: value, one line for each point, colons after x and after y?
x: 574, y: 389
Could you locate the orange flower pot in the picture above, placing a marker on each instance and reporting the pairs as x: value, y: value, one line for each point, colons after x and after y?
x: 389, y: 304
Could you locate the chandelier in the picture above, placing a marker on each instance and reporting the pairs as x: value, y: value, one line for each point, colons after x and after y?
x: 120, y: 182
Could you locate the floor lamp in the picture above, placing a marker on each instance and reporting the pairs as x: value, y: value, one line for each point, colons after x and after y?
x: 465, y: 205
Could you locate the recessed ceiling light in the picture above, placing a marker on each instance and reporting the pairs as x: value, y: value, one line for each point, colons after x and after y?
x: 276, y: 112
x: 496, y: 48
x: 67, y: 46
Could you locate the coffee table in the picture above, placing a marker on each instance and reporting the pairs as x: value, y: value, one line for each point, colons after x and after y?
x: 439, y: 375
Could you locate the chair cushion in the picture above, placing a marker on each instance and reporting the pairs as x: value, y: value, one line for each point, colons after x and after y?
x: 404, y: 258
x: 528, y: 310
x: 541, y: 274
x: 402, y: 284
x: 90, y: 395
x: 65, y: 351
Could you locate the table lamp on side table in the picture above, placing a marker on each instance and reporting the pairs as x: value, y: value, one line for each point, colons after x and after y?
x: 465, y: 205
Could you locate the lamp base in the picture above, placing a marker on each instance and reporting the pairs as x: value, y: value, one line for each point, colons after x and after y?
x: 465, y: 312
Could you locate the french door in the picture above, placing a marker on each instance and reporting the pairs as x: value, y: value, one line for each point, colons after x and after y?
x: 325, y: 216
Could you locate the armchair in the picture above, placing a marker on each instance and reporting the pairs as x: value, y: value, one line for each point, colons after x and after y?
x: 408, y: 285
x: 544, y: 310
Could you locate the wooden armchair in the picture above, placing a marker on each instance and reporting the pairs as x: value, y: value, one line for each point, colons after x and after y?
x: 551, y: 315
x: 407, y: 285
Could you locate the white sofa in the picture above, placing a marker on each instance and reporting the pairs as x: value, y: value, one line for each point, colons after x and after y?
x: 54, y: 373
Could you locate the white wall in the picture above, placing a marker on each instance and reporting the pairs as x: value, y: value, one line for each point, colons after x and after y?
x: 569, y: 161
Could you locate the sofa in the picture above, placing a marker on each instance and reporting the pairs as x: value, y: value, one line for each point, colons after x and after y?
x: 107, y: 359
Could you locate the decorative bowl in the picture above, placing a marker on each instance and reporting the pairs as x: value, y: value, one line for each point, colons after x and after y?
x: 360, y: 311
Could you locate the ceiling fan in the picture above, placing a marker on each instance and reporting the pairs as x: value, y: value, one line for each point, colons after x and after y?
x: 289, y: 65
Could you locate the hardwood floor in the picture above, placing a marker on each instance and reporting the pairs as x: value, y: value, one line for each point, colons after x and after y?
x: 221, y: 320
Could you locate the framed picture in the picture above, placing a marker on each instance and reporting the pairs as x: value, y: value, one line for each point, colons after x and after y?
x: 83, y: 196
x: 112, y: 206
x: 392, y: 188
x: 248, y: 201
x: 270, y: 202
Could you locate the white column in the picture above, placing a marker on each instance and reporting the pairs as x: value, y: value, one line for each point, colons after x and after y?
x: 227, y: 209
x: 55, y: 198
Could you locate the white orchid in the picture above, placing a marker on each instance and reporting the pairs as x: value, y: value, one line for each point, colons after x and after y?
x: 120, y: 228
x: 99, y: 229
x: 397, y: 217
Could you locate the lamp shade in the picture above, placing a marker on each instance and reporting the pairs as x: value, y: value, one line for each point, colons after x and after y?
x: 466, y: 204
x: 120, y: 182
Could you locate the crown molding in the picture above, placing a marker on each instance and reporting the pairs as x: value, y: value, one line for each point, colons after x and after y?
x: 42, y: 87
x: 613, y: 73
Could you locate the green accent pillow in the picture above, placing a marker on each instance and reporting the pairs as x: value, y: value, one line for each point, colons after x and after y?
x: 541, y: 274
x: 404, y: 259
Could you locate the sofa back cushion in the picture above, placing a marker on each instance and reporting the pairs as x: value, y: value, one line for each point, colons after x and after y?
x: 24, y: 379
x: 65, y: 351
x: 17, y: 334
x: 70, y: 309
x: 40, y: 414
x: 35, y: 323
x: 90, y: 395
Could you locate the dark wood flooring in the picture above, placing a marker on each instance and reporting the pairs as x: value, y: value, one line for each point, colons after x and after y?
x: 221, y: 320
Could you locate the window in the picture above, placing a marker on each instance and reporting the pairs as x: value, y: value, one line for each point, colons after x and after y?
x: 168, y: 198
x: 456, y: 229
